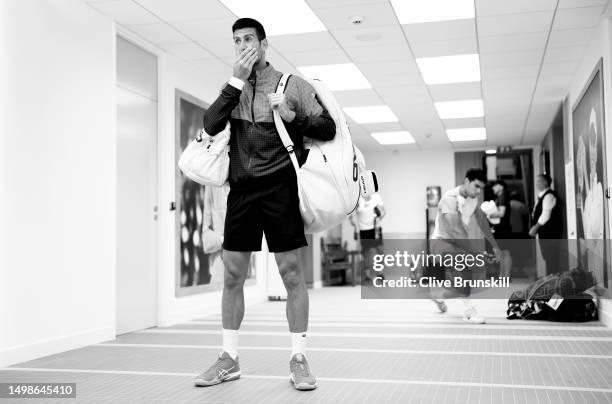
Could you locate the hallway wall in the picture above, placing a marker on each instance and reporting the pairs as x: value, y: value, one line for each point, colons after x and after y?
x: 599, y: 47
x: 403, y: 177
x: 58, y: 184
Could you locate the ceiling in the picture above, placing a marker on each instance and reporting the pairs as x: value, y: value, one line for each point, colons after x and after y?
x: 529, y: 50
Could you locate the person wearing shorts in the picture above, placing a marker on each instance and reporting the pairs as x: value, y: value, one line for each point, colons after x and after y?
x: 263, y: 197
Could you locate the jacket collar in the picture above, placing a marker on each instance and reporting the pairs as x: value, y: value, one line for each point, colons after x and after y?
x: 266, y: 72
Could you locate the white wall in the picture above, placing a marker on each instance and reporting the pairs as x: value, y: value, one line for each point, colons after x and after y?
x: 403, y: 177
x: 599, y: 47
x: 178, y: 74
x: 58, y: 183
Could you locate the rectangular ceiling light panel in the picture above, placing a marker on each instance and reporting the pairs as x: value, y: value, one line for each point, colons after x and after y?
x: 460, y: 109
x: 278, y: 18
x: 466, y: 134
x: 419, y: 11
x: 337, y: 77
x: 450, y: 69
x: 387, y: 138
x: 371, y: 114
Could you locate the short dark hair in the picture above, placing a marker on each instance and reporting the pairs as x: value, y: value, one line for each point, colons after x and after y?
x: 250, y: 23
x: 476, y: 174
x: 547, y: 178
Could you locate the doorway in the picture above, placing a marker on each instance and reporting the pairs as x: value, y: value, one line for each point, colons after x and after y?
x: 136, y: 188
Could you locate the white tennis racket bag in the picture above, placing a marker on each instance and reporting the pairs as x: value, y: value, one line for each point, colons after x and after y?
x: 334, y: 175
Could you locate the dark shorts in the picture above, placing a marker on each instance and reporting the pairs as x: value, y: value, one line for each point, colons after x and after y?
x: 273, y: 210
x: 369, y: 240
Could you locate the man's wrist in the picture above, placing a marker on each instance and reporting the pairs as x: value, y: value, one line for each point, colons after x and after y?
x: 236, y: 83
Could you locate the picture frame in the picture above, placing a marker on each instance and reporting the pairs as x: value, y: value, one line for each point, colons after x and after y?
x: 590, y: 174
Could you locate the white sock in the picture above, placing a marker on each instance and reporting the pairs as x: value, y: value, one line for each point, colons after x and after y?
x: 230, y: 342
x: 298, y: 343
x: 467, y: 303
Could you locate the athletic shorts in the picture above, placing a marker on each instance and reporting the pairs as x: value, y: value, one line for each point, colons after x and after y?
x: 273, y: 210
x: 369, y: 240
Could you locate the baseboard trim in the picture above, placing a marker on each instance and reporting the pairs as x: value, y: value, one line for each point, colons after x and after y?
x: 51, y: 346
x: 317, y: 284
x: 605, y: 312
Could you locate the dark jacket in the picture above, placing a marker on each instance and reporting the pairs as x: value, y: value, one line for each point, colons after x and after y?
x: 257, y: 154
x: 552, y: 229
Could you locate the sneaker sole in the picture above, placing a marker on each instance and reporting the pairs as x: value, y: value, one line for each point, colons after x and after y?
x: 228, y: 378
x: 467, y: 320
x: 302, y: 386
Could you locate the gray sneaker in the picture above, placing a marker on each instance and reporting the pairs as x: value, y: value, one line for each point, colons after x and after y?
x: 300, y: 376
x: 223, y: 370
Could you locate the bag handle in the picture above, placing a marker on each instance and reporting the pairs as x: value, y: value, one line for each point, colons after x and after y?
x: 280, y: 125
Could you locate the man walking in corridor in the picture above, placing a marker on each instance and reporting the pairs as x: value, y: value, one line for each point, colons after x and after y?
x: 459, y: 229
x: 263, y: 196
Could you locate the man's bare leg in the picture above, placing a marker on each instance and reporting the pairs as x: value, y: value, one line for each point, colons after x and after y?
x: 290, y: 269
x: 232, y: 303
x: 226, y: 367
x: 291, y: 272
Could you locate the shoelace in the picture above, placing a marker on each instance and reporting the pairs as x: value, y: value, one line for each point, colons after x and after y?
x: 301, y: 366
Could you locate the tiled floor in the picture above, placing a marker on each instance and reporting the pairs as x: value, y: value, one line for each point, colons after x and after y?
x: 363, y: 351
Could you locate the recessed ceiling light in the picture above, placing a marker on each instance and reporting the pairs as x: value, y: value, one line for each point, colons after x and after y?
x: 460, y: 109
x: 338, y: 77
x: 466, y: 134
x: 450, y: 69
x: 274, y: 15
x: 399, y: 137
x: 371, y: 114
x: 418, y: 11
x: 491, y: 151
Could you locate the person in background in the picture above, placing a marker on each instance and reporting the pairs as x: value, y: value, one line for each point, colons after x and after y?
x: 366, y: 220
x: 461, y: 228
x: 547, y: 223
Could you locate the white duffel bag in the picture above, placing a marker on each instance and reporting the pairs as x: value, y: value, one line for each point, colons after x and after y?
x: 206, y: 159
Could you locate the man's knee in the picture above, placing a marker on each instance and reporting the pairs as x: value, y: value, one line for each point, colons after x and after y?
x: 236, y: 267
x: 290, y: 271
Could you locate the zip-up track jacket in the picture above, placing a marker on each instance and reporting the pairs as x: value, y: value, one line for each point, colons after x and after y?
x: 257, y: 154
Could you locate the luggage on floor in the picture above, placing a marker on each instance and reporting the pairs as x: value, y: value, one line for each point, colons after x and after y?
x: 567, y: 296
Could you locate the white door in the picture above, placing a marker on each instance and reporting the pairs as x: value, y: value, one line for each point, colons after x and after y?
x: 136, y: 188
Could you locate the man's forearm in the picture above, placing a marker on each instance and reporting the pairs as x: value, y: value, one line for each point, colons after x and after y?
x: 220, y: 110
x: 485, y: 228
